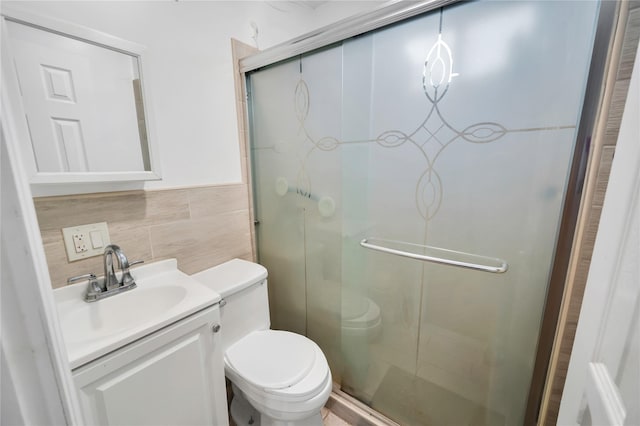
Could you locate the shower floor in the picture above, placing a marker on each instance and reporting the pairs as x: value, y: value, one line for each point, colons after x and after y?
x: 411, y: 400
x: 448, y: 386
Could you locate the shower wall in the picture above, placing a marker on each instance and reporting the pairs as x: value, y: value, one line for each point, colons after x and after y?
x: 445, y: 135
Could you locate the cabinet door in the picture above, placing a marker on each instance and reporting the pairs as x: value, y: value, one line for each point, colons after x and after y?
x: 172, y: 377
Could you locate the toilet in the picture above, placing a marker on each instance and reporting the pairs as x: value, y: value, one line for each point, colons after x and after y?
x: 361, y: 317
x: 279, y: 378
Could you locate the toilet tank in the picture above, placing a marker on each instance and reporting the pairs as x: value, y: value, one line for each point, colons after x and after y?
x: 245, y: 303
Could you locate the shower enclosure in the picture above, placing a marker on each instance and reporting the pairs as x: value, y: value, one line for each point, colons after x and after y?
x: 408, y: 189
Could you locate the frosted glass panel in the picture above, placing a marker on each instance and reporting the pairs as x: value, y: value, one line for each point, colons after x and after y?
x: 280, y: 211
x: 298, y: 188
x: 452, y: 130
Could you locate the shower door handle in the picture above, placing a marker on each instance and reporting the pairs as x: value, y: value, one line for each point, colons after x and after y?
x: 480, y: 263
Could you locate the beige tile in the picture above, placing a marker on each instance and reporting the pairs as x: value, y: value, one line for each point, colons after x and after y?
x: 589, y: 237
x: 243, y: 133
x: 247, y: 178
x: 627, y: 56
x: 241, y: 50
x: 604, y: 170
x: 361, y: 377
x: 166, y: 206
x: 324, y: 412
x: 247, y: 256
x: 333, y: 420
x: 577, y: 292
x: 212, y: 200
x: 59, y: 212
x: 450, y: 351
x: 237, y: 86
x: 620, y: 91
x: 241, y: 110
x: 244, y: 164
x: 219, y: 231
x: 135, y: 242
x: 200, y: 244
x: 243, y: 140
x: 134, y: 208
x: 50, y: 236
x: 239, y: 90
x: 459, y: 383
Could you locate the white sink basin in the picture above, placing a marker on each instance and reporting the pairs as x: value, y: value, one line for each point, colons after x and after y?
x: 164, y: 295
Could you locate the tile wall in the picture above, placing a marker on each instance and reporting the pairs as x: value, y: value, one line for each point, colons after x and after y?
x: 200, y: 226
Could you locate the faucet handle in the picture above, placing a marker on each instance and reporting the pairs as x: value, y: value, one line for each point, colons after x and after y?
x: 93, y: 287
x: 90, y: 277
x: 127, y: 279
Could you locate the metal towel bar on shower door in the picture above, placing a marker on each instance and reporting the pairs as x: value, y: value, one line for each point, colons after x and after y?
x: 495, y: 265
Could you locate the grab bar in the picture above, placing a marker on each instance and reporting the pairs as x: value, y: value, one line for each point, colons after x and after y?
x: 500, y: 265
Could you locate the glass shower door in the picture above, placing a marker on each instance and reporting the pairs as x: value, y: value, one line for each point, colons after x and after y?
x: 409, y: 185
x: 298, y: 187
x: 472, y: 116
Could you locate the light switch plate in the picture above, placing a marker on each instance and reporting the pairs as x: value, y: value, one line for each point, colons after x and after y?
x: 86, y: 241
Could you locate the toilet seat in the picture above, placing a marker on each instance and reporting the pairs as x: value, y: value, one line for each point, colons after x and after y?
x: 277, y: 366
x: 364, y: 315
x: 272, y: 359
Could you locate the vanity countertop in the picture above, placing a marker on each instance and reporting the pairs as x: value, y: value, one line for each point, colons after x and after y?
x: 164, y: 295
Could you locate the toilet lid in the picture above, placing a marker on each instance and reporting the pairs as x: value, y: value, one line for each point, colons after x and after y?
x: 354, y: 305
x: 272, y: 359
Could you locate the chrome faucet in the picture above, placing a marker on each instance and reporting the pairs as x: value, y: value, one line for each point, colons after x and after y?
x: 99, y: 288
x: 110, y: 279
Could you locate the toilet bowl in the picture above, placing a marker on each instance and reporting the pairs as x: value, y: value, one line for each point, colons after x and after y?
x: 294, y: 384
x: 279, y: 378
x: 361, y: 317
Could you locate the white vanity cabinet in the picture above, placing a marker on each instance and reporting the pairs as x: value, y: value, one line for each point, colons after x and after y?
x: 174, y: 376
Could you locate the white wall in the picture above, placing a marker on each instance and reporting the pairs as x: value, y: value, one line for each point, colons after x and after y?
x: 190, y: 74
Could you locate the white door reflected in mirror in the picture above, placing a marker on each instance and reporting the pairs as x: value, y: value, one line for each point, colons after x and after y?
x: 80, y: 94
x: 80, y: 103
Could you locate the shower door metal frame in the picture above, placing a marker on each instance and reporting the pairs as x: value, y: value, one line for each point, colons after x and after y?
x: 387, y: 14
x: 609, y: 18
x: 399, y: 10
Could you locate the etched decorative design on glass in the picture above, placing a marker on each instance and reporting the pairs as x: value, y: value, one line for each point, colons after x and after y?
x: 433, y: 135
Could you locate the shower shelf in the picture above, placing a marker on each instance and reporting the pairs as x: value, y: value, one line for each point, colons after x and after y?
x: 440, y: 255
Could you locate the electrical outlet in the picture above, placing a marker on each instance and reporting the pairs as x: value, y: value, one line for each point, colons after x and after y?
x: 80, y: 242
x: 86, y: 241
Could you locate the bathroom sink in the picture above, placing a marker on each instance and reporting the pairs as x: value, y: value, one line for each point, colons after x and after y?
x: 163, y: 296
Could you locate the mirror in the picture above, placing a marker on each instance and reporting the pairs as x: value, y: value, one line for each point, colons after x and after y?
x: 79, y: 109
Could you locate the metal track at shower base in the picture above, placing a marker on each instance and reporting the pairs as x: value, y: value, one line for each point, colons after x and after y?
x: 354, y: 411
